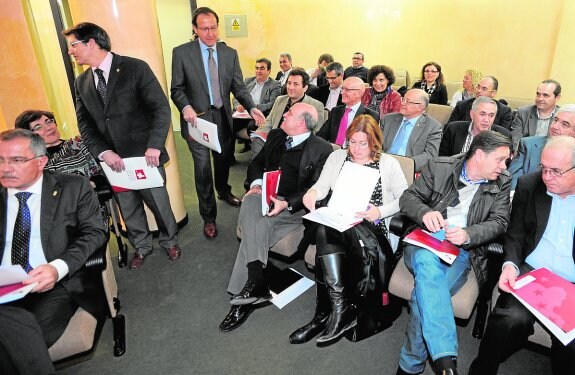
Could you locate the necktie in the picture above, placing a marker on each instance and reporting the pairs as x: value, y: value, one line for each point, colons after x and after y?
x: 342, y: 128
x: 21, y: 236
x: 399, y: 138
x: 101, y: 88
x: 214, y: 79
x: 289, y: 141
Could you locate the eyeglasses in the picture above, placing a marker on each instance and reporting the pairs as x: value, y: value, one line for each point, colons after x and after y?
x: 73, y: 44
x: 554, y: 172
x: 564, y: 124
x: 349, y: 89
x: 358, y: 144
x: 483, y: 89
x: 48, y: 122
x: 430, y: 71
x: 17, y: 161
x: 406, y: 101
x: 213, y: 29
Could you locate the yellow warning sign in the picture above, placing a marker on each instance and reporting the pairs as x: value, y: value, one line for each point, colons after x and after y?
x: 235, y: 25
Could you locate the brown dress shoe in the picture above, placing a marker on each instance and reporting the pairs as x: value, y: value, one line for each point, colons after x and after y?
x: 174, y: 252
x: 210, y: 231
x: 138, y: 260
x: 230, y: 199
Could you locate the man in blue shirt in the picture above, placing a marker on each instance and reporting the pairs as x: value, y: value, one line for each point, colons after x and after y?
x: 540, y: 234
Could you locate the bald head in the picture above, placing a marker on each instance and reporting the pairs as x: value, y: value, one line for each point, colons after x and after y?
x: 301, y: 118
x: 352, y: 91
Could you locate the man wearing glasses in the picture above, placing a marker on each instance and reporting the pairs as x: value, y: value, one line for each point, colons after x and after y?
x: 540, y: 234
x: 330, y: 95
x: 356, y: 69
x: 529, y: 151
x: 486, y: 87
x: 204, y: 73
x: 411, y: 132
x: 341, y: 116
x: 50, y: 224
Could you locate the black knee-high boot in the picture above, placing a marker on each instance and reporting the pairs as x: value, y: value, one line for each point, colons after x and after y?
x: 343, y: 315
x: 322, y: 309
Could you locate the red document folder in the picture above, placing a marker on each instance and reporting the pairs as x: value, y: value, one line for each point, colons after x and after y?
x: 551, y: 299
x: 442, y: 248
x: 271, y: 182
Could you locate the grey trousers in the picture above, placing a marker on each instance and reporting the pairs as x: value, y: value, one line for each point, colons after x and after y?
x: 259, y: 233
x: 132, y: 207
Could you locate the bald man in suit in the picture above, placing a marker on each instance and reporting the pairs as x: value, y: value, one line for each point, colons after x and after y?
x: 202, y: 90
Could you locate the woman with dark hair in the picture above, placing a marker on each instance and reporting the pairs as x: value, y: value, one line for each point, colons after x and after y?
x: 336, y: 260
x: 67, y: 156
x: 380, y: 97
x: 432, y: 83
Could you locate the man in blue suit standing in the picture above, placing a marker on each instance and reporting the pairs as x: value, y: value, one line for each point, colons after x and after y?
x: 204, y: 72
x: 529, y: 151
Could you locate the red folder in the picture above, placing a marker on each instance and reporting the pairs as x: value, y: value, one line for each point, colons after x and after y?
x: 271, y: 182
x: 443, y: 249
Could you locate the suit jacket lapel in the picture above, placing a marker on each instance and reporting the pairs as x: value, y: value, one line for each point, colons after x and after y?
x: 197, y: 62
x: 51, y: 193
x: 393, y: 128
x: 87, y: 88
x: 415, y: 134
x: 3, y: 213
x: 115, y: 72
x: 542, y: 209
x: 532, y: 122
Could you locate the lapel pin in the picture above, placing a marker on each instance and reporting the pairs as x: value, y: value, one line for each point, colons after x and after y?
x: 118, y: 70
x: 55, y: 193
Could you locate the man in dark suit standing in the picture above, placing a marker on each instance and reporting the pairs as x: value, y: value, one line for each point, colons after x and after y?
x: 50, y: 223
x: 341, y: 116
x: 411, y: 132
x: 204, y: 72
x: 458, y: 135
x: 540, y: 234
x: 122, y: 113
x: 486, y: 87
x: 301, y: 156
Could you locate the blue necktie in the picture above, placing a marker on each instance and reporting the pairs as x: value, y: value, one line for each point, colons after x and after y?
x: 399, y: 138
x: 22, y: 230
x: 289, y: 141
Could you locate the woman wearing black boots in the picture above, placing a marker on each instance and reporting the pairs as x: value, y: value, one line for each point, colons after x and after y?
x: 336, y: 265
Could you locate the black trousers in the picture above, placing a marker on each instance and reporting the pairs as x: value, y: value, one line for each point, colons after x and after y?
x: 204, y: 179
x: 52, y: 309
x: 508, y: 327
x: 22, y: 347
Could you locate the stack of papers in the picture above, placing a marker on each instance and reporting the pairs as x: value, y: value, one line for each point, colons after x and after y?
x: 11, y: 287
x: 136, y: 176
x: 434, y: 242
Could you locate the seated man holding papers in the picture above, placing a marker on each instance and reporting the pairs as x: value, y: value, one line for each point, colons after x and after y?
x: 467, y: 196
x: 300, y: 155
x: 540, y: 235
x: 378, y: 183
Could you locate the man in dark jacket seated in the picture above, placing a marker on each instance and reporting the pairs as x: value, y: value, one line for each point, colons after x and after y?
x: 466, y: 197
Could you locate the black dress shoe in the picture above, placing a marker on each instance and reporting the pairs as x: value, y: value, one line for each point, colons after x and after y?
x: 230, y: 199
x: 236, y: 317
x: 251, y: 293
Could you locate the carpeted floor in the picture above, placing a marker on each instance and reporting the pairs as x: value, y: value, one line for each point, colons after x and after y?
x: 173, y: 310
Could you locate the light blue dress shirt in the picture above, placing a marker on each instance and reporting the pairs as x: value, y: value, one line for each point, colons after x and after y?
x: 205, y: 55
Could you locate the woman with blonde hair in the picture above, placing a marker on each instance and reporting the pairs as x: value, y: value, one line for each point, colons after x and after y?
x: 471, y: 78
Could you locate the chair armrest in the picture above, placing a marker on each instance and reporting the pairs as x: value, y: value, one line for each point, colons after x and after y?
x: 97, y: 261
x: 401, y: 225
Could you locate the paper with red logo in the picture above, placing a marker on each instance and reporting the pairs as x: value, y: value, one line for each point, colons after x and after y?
x: 206, y: 134
x: 11, y: 287
x: 435, y: 243
x: 136, y: 176
x: 270, y: 184
x: 551, y: 299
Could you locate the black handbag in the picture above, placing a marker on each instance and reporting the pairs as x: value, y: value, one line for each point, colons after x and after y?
x: 376, y: 310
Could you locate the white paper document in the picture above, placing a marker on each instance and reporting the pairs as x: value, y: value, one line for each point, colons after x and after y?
x: 351, y: 194
x: 136, y: 176
x: 242, y: 115
x: 11, y: 287
x: 292, y: 292
x: 206, y: 134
